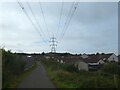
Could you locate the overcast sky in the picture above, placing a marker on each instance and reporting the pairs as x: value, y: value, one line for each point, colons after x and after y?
x: 93, y: 28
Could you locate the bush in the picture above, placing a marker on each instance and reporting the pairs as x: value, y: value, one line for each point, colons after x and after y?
x: 96, y: 82
x: 12, y: 66
x: 70, y: 68
x: 110, y: 68
x: 67, y: 75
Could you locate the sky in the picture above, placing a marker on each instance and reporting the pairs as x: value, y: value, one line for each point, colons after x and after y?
x: 93, y: 27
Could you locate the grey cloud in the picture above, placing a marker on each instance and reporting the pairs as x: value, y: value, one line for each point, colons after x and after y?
x: 93, y: 27
x: 91, y: 13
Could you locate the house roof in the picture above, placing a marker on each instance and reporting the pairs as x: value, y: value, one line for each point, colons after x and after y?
x: 106, y: 56
x: 92, y: 58
x: 95, y: 58
x: 71, y: 59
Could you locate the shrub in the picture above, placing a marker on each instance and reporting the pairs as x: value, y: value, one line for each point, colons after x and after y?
x: 12, y: 66
x: 70, y: 68
x: 110, y: 68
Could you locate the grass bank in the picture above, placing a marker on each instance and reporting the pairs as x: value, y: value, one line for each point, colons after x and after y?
x: 62, y: 77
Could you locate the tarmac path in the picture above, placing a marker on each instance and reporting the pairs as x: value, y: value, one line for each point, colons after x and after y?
x: 37, y: 79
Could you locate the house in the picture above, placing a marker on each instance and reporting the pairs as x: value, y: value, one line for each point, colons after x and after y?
x: 70, y: 60
x: 93, y: 63
x: 87, y: 62
x: 60, y: 61
x: 84, y: 56
x: 47, y: 57
x: 81, y: 65
x: 100, y: 61
x: 90, y: 63
x: 77, y: 61
x: 111, y: 57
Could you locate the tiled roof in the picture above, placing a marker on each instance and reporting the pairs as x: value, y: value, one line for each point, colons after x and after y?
x: 91, y: 58
x: 95, y: 58
x: 71, y: 59
x: 106, y: 56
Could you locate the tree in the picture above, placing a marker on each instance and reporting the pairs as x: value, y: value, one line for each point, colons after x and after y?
x: 97, y: 53
x: 43, y: 53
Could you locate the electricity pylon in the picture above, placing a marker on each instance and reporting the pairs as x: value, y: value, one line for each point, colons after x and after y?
x: 53, y: 44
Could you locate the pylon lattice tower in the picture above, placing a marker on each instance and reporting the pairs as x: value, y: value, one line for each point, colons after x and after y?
x: 53, y: 44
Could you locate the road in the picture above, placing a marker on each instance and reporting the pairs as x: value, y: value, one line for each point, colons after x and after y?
x: 37, y: 79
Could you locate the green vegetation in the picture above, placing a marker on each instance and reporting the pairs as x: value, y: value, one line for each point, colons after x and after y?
x: 13, y: 69
x: 62, y: 77
x: 110, y: 68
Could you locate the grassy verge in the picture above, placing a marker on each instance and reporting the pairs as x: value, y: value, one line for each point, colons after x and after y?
x: 55, y: 72
x: 82, y: 79
x: 52, y: 75
x: 54, y: 78
x: 17, y: 79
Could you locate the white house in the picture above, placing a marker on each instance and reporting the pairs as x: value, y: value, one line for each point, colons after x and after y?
x: 47, y: 57
x: 113, y: 57
x: 100, y: 61
x: 110, y: 57
x: 84, y: 56
x: 95, y: 62
x: 61, y: 61
x: 81, y: 65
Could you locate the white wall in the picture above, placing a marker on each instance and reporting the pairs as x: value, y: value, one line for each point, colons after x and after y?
x: 101, y: 62
x: 82, y: 66
x: 61, y: 61
x: 113, y: 57
x: 84, y: 56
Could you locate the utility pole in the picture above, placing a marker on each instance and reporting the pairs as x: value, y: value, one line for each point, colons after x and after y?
x: 53, y: 44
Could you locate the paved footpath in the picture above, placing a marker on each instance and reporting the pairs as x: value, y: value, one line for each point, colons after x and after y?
x: 37, y: 79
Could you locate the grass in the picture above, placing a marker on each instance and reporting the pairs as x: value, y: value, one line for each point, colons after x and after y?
x: 53, y: 77
x: 55, y: 73
x: 17, y: 79
x: 82, y: 79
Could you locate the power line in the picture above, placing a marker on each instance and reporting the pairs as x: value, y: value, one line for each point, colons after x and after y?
x: 65, y: 29
x: 44, y: 19
x: 20, y: 4
x: 35, y: 17
x: 60, y: 18
x: 69, y: 13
